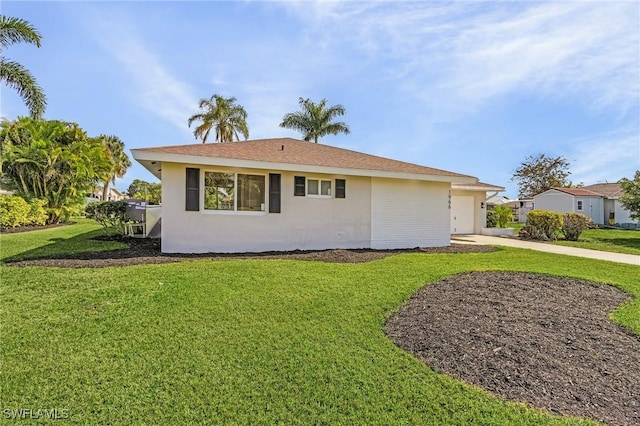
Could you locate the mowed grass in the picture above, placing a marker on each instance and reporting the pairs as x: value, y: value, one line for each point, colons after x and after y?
x: 248, y: 341
x: 612, y: 240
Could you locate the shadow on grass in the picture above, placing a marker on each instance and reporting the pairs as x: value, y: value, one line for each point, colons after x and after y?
x: 89, y: 245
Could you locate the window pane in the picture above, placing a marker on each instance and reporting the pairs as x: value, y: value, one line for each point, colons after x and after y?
x: 250, y: 193
x: 218, y: 191
x: 312, y: 186
x: 325, y: 187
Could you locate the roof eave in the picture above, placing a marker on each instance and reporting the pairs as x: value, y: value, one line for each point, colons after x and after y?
x: 152, y: 161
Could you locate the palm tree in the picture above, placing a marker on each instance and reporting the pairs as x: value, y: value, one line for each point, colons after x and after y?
x: 224, y: 115
x: 315, y: 120
x: 15, y: 30
x: 120, y: 161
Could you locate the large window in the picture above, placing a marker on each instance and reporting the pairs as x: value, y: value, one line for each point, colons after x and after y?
x: 229, y: 191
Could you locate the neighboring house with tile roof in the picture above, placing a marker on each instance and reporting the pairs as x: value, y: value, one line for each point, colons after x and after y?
x: 287, y: 194
x: 600, y: 202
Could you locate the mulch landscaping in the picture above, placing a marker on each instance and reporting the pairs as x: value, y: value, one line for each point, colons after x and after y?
x: 543, y: 340
x: 147, y: 251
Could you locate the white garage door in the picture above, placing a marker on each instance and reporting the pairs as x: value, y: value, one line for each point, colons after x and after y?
x: 462, y: 214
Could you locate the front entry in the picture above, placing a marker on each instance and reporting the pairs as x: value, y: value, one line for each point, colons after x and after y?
x: 462, y: 214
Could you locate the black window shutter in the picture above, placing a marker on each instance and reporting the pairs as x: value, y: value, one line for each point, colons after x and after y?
x: 274, y: 193
x: 341, y: 188
x: 299, y: 184
x: 193, y: 190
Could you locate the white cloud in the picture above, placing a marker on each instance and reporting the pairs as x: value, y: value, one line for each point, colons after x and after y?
x: 154, y: 87
x: 458, y: 56
x: 605, y: 157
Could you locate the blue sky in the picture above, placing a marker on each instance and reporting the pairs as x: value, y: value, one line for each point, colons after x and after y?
x: 471, y: 87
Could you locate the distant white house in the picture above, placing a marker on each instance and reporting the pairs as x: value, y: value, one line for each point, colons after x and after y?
x: 600, y: 202
x: 287, y: 194
x: 113, y: 195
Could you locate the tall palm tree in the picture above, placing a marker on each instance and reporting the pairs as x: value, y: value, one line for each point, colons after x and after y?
x: 315, y: 120
x: 224, y: 115
x: 16, y: 30
x: 120, y: 161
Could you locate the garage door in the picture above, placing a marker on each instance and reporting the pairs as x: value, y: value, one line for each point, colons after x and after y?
x: 462, y: 214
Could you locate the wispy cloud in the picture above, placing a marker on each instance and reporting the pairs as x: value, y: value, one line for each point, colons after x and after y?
x: 153, y: 86
x: 458, y: 56
x: 606, y: 157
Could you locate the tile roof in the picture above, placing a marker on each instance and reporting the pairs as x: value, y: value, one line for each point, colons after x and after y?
x: 609, y: 190
x: 580, y: 192
x: 294, y: 151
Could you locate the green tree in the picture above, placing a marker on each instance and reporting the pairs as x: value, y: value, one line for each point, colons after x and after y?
x: 52, y: 160
x: 15, y: 75
x: 630, y: 197
x: 315, y: 120
x: 142, y: 190
x: 120, y: 161
x: 540, y: 173
x: 222, y: 114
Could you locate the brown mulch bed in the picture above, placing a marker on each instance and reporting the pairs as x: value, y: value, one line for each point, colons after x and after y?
x: 28, y: 228
x: 147, y: 251
x: 546, y: 341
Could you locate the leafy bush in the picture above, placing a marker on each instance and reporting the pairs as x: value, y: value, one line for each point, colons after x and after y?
x: 15, y: 211
x: 492, y: 219
x: 504, y: 214
x: 573, y: 225
x: 109, y: 214
x: 543, y: 225
x: 37, y: 212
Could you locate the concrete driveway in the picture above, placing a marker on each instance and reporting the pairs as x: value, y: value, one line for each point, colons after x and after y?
x: 546, y: 247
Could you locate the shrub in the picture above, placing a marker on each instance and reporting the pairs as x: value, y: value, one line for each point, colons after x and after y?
x: 504, y: 214
x: 573, y: 225
x: 109, y: 214
x: 37, y: 211
x: 14, y: 211
x: 492, y: 219
x: 543, y: 224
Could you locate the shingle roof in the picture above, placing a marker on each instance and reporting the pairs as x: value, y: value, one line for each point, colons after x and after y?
x: 580, y: 192
x: 478, y: 186
x: 609, y: 190
x: 293, y: 151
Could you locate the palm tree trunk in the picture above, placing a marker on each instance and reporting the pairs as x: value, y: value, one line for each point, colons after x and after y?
x: 105, y: 191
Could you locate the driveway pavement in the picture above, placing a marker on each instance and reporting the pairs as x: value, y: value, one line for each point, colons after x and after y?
x: 546, y: 247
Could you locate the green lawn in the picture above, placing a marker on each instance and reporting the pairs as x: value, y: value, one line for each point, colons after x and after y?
x: 244, y: 341
x: 613, y: 240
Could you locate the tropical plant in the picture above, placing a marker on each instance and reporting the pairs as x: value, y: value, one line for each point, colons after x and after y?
x: 504, y: 214
x: 52, y: 160
x: 222, y: 114
x: 15, y: 75
x: 143, y: 190
x: 540, y: 173
x: 315, y: 120
x: 120, y: 161
x: 630, y: 197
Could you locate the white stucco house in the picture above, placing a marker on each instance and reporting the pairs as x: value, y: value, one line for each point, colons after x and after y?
x: 600, y: 202
x: 614, y: 211
x: 287, y: 194
x: 572, y: 200
x: 469, y: 204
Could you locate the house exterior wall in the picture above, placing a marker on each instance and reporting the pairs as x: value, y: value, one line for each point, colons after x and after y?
x: 622, y: 214
x: 554, y: 201
x: 304, y: 223
x: 409, y: 213
x: 561, y: 202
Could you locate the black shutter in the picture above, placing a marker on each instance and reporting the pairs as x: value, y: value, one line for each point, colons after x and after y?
x: 299, y: 184
x: 193, y: 190
x: 341, y: 188
x: 274, y: 193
